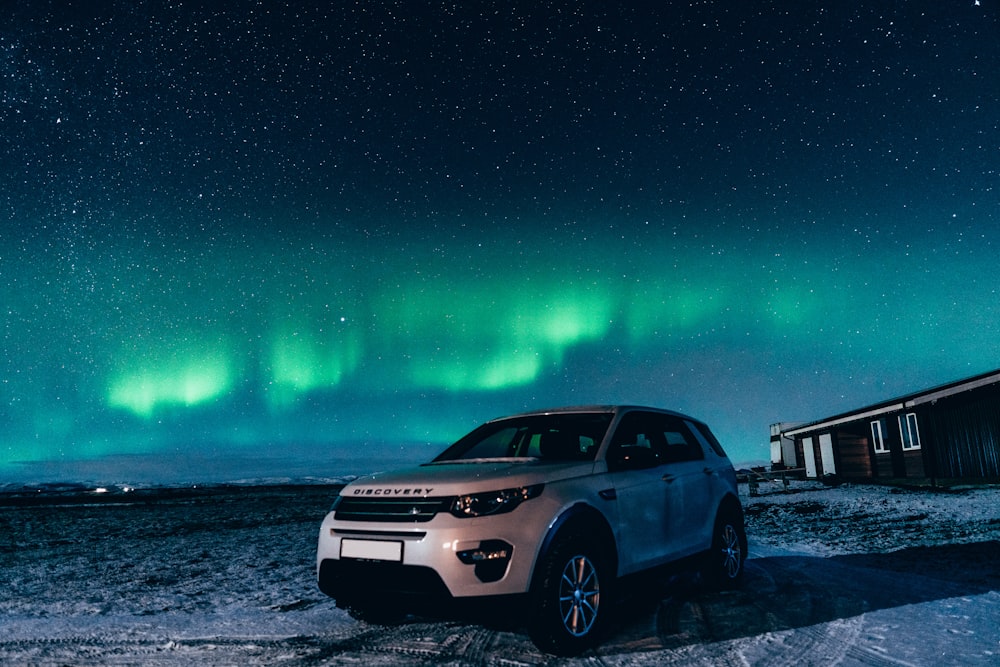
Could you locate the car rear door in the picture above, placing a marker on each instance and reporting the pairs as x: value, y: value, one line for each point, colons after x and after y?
x: 663, y: 489
x: 691, y: 498
x: 660, y: 488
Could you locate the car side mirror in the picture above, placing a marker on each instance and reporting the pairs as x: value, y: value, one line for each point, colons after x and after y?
x: 633, y: 458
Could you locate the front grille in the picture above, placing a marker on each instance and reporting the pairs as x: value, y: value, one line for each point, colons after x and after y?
x: 350, y: 581
x: 394, y: 510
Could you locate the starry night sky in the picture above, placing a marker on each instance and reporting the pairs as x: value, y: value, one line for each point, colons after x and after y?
x: 308, y: 239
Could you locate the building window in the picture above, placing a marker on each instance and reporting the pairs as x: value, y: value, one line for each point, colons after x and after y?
x: 877, y: 437
x: 908, y: 431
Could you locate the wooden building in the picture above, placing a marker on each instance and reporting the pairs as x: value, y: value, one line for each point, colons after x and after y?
x: 947, y: 433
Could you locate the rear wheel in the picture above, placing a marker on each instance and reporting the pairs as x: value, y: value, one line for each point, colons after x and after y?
x: 570, y: 598
x: 726, y: 559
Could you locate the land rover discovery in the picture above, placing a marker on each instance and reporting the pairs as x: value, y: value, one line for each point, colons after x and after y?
x: 551, y: 506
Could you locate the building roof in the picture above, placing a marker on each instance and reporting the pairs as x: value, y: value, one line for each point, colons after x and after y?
x: 901, y: 403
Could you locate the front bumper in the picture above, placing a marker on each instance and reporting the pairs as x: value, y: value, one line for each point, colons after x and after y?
x: 446, y: 556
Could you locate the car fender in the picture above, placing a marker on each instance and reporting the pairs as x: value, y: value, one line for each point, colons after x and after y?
x: 581, y: 514
x: 730, y: 504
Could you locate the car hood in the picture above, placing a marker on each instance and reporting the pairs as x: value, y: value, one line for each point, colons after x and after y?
x: 455, y: 478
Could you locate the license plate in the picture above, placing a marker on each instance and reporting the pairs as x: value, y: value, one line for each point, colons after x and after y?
x: 371, y: 550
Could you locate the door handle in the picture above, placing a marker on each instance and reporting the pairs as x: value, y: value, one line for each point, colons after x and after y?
x: 668, y: 478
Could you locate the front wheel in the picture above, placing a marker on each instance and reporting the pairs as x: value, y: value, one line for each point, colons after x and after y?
x: 568, y: 611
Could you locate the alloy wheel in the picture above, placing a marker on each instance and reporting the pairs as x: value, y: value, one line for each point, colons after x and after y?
x: 579, y: 596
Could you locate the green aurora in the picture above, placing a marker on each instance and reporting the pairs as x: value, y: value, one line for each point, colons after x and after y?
x: 290, y: 241
x: 260, y: 334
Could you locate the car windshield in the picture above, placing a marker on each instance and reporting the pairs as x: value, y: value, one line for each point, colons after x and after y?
x: 556, y: 437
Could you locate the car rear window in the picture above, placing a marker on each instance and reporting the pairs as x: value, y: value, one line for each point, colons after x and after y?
x: 705, y: 435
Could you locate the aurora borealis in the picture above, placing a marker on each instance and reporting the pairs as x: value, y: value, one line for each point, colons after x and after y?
x: 281, y: 239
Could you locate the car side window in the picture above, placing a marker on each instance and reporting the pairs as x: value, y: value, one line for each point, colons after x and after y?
x: 706, y: 437
x: 680, y: 444
x: 660, y: 439
x: 637, y: 438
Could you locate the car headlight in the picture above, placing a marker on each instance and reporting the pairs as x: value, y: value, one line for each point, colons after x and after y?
x: 493, y: 502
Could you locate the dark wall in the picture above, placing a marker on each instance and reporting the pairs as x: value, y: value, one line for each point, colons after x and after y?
x: 965, y: 432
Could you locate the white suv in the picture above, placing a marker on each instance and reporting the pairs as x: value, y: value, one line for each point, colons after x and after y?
x: 555, y: 505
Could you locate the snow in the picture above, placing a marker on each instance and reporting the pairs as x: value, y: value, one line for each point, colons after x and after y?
x: 848, y: 575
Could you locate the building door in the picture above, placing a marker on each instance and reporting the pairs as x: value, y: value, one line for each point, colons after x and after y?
x: 826, y: 454
x: 810, y: 457
x: 788, y: 452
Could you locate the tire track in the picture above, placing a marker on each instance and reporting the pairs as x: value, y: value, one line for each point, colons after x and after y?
x: 242, y: 570
x: 113, y: 650
x: 445, y: 642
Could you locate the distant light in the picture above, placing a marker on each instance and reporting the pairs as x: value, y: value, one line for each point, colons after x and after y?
x: 100, y: 489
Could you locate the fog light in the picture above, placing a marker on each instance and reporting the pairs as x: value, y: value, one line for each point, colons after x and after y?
x: 491, y: 558
x: 495, y: 551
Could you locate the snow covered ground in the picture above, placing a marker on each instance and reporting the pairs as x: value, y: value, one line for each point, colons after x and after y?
x: 853, y: 575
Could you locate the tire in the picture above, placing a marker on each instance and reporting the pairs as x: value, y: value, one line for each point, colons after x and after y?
x: 570, y: 600
x: 726, y: 560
